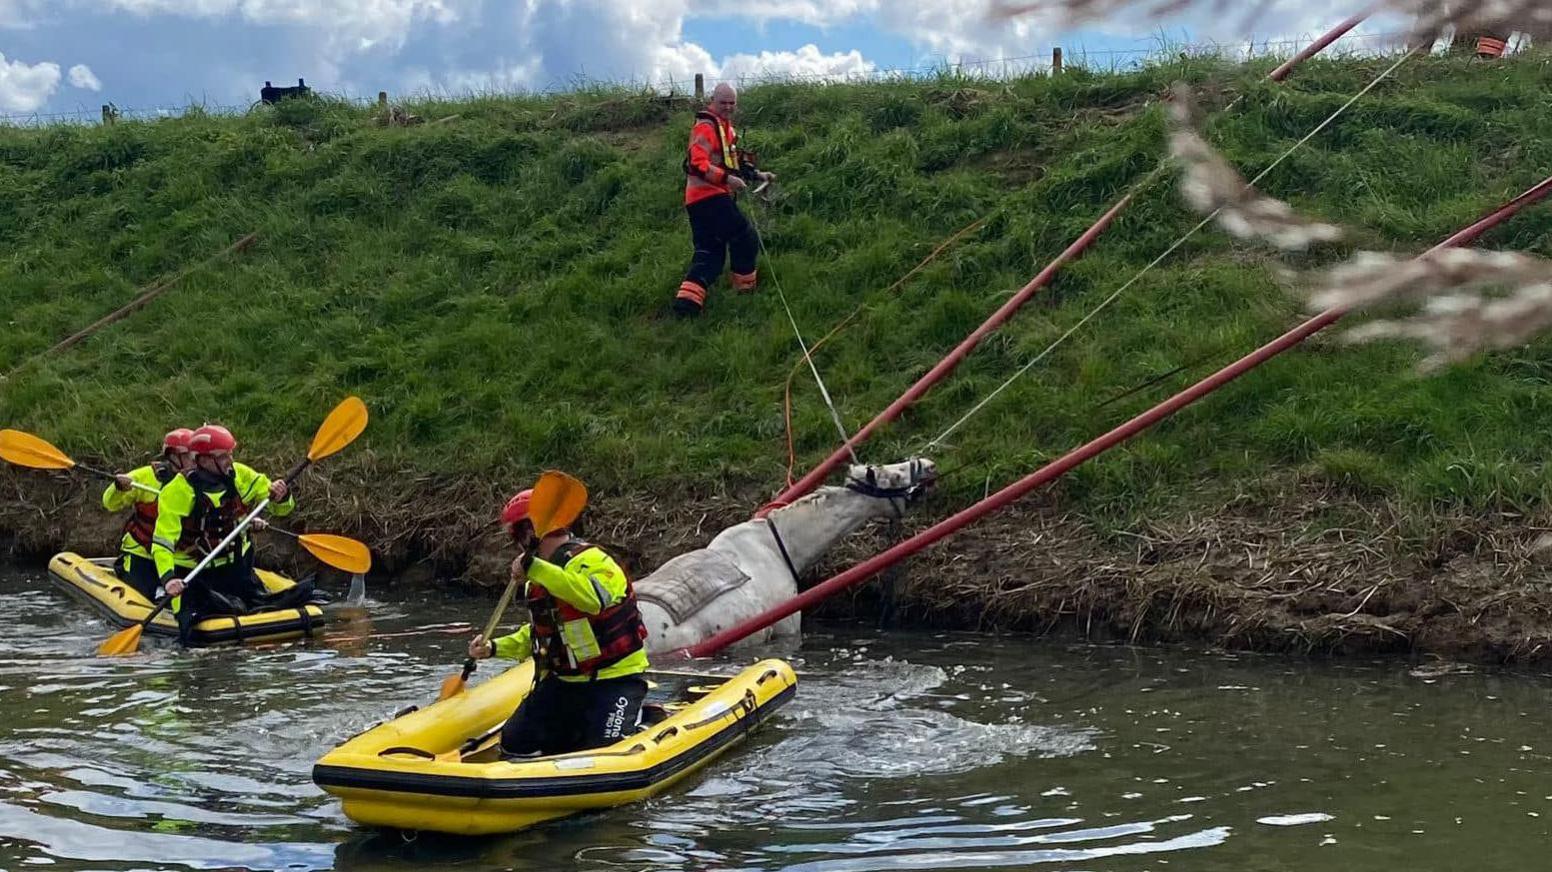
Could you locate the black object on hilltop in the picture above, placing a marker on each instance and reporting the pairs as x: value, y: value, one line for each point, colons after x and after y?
x: 271, y: 94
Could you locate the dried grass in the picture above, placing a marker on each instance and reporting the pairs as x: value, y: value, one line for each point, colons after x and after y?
x: 1214, y: 188
x: 1432, y: 17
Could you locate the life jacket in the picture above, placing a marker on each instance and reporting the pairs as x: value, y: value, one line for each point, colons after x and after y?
x: 615, y: 633
x: 141, y: 525
x: 210, y: 522
x: 724, y: 153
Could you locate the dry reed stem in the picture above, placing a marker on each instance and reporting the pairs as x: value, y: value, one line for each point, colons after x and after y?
x: 1432, y: 18
x: 1213, y: 187
x: 1467, y: 300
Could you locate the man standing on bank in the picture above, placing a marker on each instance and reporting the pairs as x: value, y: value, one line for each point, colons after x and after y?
x: 714, y: 174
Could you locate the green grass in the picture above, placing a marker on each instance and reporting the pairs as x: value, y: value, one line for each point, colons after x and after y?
x: 496, y: 286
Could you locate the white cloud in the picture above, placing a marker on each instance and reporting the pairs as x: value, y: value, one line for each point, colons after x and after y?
x: 81, y: 76
x: 806, y: 63
x: 26, y: 87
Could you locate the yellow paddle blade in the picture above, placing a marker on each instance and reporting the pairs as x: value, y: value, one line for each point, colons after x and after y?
x: 341, y: 428
x: 557, y: 500
x: 338, y: 551
x: 451, y: 687
x: 25, y: 449
x: 126, y: 641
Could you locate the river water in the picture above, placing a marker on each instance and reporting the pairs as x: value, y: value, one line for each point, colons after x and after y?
x: 901, y: 751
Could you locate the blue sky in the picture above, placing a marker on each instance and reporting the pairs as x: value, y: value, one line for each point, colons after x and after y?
x: 64, y: 56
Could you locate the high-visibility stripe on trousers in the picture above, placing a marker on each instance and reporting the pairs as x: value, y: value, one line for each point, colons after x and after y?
x: 720, y: 232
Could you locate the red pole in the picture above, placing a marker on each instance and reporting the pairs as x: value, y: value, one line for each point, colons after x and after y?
x: 961, y: 351
x: 1317, y: 47
x: 1056, y: 469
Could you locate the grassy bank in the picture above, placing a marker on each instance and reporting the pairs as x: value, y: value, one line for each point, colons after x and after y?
x: 496, y: 287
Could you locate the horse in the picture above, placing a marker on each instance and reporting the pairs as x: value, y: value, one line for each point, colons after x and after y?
x: 754, y: 566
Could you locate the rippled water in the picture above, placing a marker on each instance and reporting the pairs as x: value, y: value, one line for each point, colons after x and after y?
x: 901, y: 751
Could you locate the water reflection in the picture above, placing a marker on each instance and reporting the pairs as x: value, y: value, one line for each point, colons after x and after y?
x: 906, y: 751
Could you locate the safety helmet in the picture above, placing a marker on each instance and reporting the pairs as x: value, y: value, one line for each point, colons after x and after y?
x: 178, y: 438
x: 517, y: 508
x: 212, y: 437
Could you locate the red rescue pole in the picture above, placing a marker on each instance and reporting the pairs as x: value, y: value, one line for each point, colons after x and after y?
x: 924, y: 384
x: 1056, y: 469
x: 960, y: 352
x: 1318, y: 46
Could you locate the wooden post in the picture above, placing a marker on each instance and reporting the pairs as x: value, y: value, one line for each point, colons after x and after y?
x: 107, y: 113
x: 1056, y: 60
x: 382, y: 99
x: 700, y: 87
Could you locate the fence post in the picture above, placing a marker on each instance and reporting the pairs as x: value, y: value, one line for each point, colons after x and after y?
x: 382, y: 99
x: 1056, y: 60
x: 700, y: 87
x: 109, y: 113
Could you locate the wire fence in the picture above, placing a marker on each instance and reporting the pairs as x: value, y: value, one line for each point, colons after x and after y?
x: 1000, y: 68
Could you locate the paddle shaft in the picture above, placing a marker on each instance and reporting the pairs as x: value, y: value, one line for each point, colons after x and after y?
x: 165, y: 601
x: 490, y: 626
x: 297, y: 470
x: 106, y: 474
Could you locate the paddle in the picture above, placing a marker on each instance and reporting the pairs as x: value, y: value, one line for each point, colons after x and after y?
x: 25, y: 449
x: 557, y: 500
x: 341, y: 428
x: 337, y: 551
x: 127, y: 641
x: 338, y: 430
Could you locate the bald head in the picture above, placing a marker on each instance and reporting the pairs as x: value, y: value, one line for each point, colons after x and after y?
x: 724, y: 100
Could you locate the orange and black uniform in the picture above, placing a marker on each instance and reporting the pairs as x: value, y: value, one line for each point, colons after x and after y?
x: 717, y: 227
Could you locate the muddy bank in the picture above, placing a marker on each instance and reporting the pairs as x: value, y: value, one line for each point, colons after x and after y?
x: 1296, y: 568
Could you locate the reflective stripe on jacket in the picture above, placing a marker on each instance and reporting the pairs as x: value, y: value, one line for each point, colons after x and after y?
x: 585, y: 621
x: 186, y: 520
x: 712, y: 155
x: 141, y: 526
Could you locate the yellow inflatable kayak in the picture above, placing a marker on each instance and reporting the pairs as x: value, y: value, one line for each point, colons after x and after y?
x: 439, y: 768
x: 92, y: 581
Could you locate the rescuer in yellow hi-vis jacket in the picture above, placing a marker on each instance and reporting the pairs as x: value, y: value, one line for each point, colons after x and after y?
x: 195, y: 512
x: 586, y: 635
x: 134, y: 565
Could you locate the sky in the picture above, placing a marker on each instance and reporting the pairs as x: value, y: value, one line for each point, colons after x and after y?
x: 72, y: 56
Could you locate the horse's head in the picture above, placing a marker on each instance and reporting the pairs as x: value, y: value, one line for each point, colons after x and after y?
x: 898, y: 483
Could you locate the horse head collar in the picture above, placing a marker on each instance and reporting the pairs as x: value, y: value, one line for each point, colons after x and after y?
x: 900, y: 483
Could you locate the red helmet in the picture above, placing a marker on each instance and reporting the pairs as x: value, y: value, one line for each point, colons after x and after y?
x: 517, y: 508
x: 212, y: 437
x: 178, y: 438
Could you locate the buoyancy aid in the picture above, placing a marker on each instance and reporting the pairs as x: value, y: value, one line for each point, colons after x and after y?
x: 723, y: 158
x: 141, y: 525
x: 570, y: 642
x: 211, y: 521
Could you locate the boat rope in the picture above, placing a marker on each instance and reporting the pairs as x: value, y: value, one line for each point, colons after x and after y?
x: 808, y: 357
x: 1331, y: 119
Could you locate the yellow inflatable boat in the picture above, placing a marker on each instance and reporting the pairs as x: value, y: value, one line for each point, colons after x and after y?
x: 439, y: 768
x: 92, y: 581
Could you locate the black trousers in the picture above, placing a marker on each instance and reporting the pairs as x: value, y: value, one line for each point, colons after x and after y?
x: 719, y: 229
x: 217, y: 590
x: 139, y: 573
x: 564, y: 716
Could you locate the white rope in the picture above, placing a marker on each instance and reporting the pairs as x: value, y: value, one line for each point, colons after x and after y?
x: 807, y: 357
x: 1171, y: 250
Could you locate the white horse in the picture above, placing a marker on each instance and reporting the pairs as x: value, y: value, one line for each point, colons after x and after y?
x: 754, y: 566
